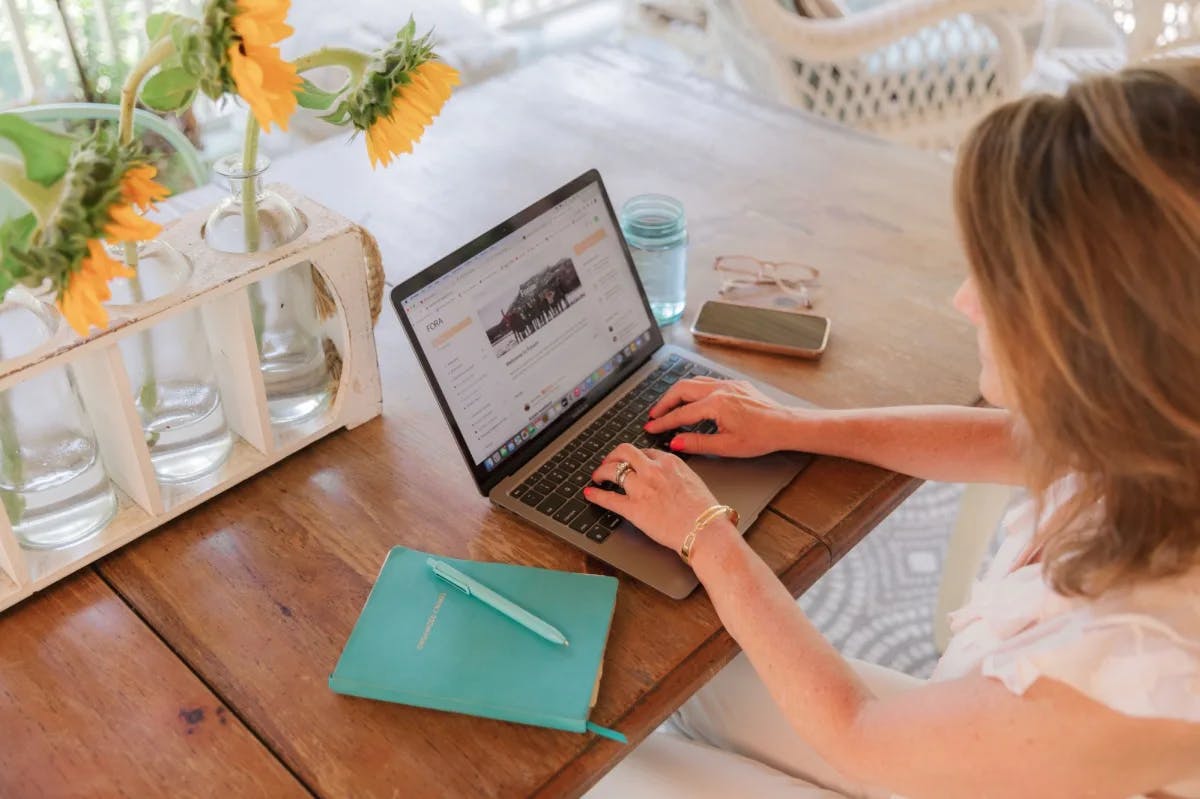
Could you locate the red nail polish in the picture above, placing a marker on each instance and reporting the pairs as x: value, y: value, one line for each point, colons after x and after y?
x: 646, y: 426
x: 676, y: 444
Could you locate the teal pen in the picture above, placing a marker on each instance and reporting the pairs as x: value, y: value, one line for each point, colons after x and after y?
x: 476, y: 589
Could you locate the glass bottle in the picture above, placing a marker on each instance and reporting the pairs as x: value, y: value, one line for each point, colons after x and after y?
x: 52, y: 480
x: 655, y: 228
x: 171, y: 371
x: 229, y: 228
x: 291, y: 344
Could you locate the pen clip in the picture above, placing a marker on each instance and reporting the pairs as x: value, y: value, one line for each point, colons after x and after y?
x: 438, y: 571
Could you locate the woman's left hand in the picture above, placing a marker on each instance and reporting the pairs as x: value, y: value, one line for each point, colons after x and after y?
x: 663, y: 496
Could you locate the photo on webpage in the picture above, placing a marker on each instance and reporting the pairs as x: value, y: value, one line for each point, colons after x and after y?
x: 538, y: 301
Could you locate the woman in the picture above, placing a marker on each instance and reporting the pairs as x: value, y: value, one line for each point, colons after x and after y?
x: 1075, y: 668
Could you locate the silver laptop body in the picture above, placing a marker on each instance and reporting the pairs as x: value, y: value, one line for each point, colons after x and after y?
x: 540, y: 346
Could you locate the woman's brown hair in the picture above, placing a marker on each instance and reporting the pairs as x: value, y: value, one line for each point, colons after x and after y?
x: 1081, y: 219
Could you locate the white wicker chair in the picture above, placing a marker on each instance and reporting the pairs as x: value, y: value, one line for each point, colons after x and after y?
x: 917, y: 71
x: 1087, y: 37
x: 1156, y: 27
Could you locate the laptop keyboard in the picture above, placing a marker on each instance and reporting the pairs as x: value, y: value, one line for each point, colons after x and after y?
x: 556, y: 488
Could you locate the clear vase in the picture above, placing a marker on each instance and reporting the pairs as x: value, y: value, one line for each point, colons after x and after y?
x: 171, y: 372
x: 52, y: 480
x: 230, y: 228
x: 291, y: 344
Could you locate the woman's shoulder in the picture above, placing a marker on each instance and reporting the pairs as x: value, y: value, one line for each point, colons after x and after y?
x: 1135, y: 649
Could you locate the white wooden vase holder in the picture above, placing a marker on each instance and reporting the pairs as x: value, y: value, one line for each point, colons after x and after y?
x: 338, y: 248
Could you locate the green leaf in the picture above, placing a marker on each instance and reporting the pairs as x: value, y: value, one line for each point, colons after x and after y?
x: 46, y: 153
x: 190, y: 57
x: 169, y: 89
x: 339, y: 115
x: 310, y: 96
x: 161, y: 24
x: 186, y: 37
x: 15, y: 234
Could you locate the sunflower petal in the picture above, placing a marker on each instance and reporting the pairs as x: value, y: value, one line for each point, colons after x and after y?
x: 266, y: 82
x: 101, y: 264
x: 137, y: 187
x: 261, y: 22
x: 81, y: 302
x: 126, y: 224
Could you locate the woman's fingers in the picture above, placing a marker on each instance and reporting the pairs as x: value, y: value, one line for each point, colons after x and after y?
x: 682, y: 392
x: 692, y: 413
x: 702, y: 443
x: 606, y: 472
x: 609, y: 500
x: 610, y: 469
x: 629, y: 453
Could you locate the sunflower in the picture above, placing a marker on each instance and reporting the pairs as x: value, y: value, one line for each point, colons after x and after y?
x: 239, y: 54
x: 398, y: 95
x: 81, y: 302
x: 414, y: 105
x: 104, y: 184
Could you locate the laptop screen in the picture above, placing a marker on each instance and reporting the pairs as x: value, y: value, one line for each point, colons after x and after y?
x: 523, y: 331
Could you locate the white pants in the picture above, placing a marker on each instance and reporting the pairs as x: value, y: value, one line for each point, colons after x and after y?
x: 731, y: 740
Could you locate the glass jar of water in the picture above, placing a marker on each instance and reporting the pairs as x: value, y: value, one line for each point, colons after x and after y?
x: 656, y: 230
x: 251, y: 218
x: 171, y: 372
x: 287, y: 327
x: 52, y: 480
x: 291, y: 345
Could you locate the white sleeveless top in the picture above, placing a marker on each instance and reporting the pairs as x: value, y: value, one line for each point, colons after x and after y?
x: 1136, y: 650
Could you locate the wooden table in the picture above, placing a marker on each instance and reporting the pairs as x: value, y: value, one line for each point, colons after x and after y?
x: 194, y: 661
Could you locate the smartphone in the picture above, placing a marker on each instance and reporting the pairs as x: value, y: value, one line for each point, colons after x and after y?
x: 783, y: 332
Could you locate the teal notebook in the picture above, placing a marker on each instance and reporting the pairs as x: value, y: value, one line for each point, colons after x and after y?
x: 420, y: 642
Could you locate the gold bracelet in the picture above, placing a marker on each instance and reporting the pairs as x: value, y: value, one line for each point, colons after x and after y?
x: 689, y: 541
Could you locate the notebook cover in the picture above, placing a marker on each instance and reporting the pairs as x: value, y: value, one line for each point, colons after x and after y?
x: 419, y: 641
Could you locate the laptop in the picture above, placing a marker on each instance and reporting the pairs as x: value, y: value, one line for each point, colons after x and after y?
x: 539, y: 344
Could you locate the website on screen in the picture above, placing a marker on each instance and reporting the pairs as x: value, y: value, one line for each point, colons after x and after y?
x: 522, y: 331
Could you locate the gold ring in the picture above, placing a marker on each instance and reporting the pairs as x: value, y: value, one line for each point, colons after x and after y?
x: 623, y: 470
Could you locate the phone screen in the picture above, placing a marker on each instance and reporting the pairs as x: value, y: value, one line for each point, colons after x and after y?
x: 766, y: 325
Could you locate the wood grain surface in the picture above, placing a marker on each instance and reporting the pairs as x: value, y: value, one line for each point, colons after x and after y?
x: 755, y: 179
x: 92, y: 703
x: 258, y: 589
x: 259, y: 592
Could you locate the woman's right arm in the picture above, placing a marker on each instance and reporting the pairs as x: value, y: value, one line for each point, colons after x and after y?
x: 932, y: 442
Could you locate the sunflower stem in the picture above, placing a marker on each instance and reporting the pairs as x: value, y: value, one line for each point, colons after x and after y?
x: 13, y: 468
x: 250, y: 218
x: 250, y: 185
x: 354, y: 61
x: 159, y: 52
x: 148, y: 394
x: 40, y: 199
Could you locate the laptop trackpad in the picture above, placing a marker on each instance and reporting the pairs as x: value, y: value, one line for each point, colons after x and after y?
x: 748, y: 485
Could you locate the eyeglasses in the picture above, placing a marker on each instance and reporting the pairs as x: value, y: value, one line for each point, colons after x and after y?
x: 790, y: 277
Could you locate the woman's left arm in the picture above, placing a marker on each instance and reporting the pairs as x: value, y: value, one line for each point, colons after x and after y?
x: 967, y: 737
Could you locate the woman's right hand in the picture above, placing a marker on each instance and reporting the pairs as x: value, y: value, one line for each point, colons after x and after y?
x: 748, y: 422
